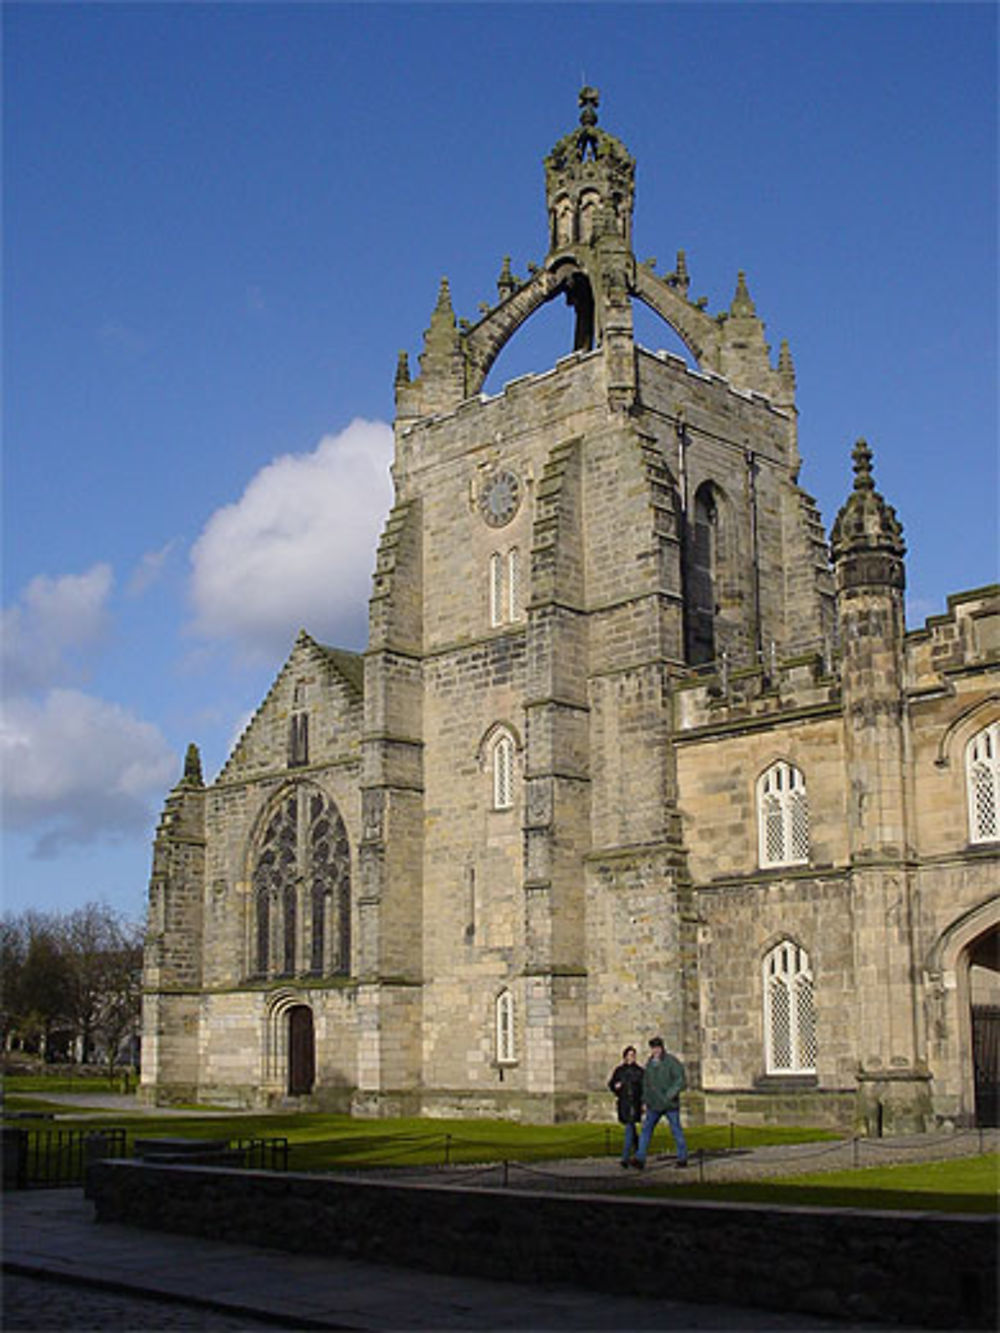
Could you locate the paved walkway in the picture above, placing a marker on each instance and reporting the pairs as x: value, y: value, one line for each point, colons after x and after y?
x: 64, y: 1271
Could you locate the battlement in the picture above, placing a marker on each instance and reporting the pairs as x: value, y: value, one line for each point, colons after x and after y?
x: 715, y: 697
x: 966, y: 635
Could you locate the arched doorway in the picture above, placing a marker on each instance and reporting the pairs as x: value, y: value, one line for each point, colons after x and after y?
x: 984, y: 1000
x: 301, y: 1051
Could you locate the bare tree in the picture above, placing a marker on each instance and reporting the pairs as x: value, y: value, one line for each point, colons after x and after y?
x: 77, y: 972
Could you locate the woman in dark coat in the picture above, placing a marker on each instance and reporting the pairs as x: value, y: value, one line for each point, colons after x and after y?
x: 626, y: 1084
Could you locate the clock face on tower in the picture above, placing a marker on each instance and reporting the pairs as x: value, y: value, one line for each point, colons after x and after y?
x: 499, y: 498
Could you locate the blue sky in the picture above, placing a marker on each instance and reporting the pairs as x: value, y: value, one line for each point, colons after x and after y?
x: 223, y: 222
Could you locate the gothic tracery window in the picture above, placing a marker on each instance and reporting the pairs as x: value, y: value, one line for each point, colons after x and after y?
x: 783, y: 816
x: 301, y: 889
x: 789, y: 1011
x: 982, y: 774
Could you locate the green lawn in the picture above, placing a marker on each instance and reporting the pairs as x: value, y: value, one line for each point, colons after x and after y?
x: 959, y: 1185
x: 327, y: 1142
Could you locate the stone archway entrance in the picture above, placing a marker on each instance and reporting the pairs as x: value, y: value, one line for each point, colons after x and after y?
x: 984, y: 1000
x: 301, y: 1051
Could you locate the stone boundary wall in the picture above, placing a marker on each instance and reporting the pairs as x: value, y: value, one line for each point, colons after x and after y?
x: 932, y: 1270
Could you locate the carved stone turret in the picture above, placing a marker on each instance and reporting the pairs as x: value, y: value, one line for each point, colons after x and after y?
x: 867, y: 538
x: 589, y: 183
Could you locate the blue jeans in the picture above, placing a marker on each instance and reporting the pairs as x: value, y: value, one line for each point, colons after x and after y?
x: 631, y: 1139
x: 649, y: 1124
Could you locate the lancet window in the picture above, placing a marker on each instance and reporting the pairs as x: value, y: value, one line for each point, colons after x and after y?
x: 789, y: 1011
x: 503, y: 771
x: 506, y: 1048
x: 783, y: 816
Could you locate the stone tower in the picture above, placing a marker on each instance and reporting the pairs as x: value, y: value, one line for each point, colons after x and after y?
x: 557, y: 557
x: 868, y: 550
x: 619, y: 756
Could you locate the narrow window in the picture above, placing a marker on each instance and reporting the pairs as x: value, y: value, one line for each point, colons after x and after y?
x: 702, y: 560
x: 506, y: 1052
x: 982, y: 772
x: 789, y: 1011
x: 783, y: 816
x: 503, y: 772
x: 513, y: 584
x: 496, y: 589
x: 289, y: 921
x: 298, y: 740
x: 263, y: 941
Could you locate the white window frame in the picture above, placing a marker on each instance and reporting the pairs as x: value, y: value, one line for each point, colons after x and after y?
x: 782, y: 816
x: 982, y: 779
x: 503, y: 1017
x: 790, y: 1045
x: 502, y: 758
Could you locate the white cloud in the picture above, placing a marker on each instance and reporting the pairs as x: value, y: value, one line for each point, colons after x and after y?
x: 76, y: 769
x: 297, y: 549
x: 149, y: 569
x: 54, y: 622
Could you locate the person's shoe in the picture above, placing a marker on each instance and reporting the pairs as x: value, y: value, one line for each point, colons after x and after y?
x: 679, y: 1166
x: 637, y: 1164
x: 624, y: 1165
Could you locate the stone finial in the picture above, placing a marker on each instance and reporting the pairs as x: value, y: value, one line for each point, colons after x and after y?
x: 866, y: 540
x: 786, y: 366
x: 443, y: 312
x: 741, y: 303
x: 506, y: 283
x: 192, y: 768
x: 862, y: 456
x: 403, y: 369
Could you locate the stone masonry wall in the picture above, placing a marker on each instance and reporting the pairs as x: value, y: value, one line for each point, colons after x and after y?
x: 914, y: 1269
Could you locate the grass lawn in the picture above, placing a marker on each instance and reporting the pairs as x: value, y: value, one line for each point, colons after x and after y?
x: 325, y: 1142
x: 959, y: 1185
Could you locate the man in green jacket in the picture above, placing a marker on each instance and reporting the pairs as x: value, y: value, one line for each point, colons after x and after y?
x: 663, y: 1081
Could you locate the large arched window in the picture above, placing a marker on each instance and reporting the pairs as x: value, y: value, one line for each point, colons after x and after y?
x: 302, y: 889
x: 789, y: 1011
x: 982, y: 774
x: 782, y: 816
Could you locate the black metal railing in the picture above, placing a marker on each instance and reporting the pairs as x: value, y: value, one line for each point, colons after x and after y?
x: 58, y: 1158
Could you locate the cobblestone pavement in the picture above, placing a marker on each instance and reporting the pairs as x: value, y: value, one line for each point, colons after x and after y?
x: 43, y: 1305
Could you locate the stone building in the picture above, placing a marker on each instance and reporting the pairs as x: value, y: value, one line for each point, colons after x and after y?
x: 632, y: 748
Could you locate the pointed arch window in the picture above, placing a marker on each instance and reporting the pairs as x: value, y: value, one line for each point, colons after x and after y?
x: 506, y: 1048
x: 702, y: 575
x: 301, y: 895
x: 790, y: 1045
x: 783, y: 816
x: 503, y: 771
x: 982, y: 775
